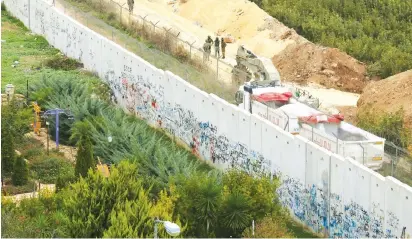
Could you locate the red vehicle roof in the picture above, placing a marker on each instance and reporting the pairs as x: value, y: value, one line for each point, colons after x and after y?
x: 317, y: 118
x: 266, y: 97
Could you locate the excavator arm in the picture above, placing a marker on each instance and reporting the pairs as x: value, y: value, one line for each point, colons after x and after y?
x: 248, y: 63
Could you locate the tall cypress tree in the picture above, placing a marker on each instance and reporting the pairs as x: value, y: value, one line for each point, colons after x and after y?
x: 7, y: 149
x: 21, y: 172
x: 84, y: 160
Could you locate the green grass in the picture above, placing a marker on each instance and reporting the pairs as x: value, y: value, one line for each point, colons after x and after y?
x: 32, y: 52
x: 300, y: 230
x: 36, y: 51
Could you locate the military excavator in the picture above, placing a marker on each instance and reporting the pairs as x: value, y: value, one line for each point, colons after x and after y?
x: 296, y: 111
x: 258, y: 74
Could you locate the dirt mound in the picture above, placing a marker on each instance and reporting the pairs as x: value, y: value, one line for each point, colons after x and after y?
x: 389, y: 95
x: 329, y: 67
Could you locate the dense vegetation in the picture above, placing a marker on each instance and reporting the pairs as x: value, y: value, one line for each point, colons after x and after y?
x: 378, y: 32
x: 150, y: 176
x: 391, y: 126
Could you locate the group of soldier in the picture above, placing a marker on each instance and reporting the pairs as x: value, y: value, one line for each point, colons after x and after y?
x: 207, y: 48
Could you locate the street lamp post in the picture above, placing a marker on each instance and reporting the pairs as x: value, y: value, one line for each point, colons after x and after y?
x: 27, y: 90
x: 57, y: 112
x: 171, y: 228
x: 47, y: 123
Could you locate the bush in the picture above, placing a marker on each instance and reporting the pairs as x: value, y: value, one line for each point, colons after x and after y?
x: 7, y: 150
x: 64, y: 179
x: 34, y: 218
x: 33, y: 153
x: 63, y: 63
x: 10, y: 189
x: 376, y: 32
x: 387, y: 125
x: 20, y: 172
x: 181, y: 53
x: 30, y: 147
x: 269, y: 227
x: 48, y: 168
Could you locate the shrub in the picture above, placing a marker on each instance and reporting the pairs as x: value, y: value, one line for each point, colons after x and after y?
x: 84, y: 157
x: 30, y: 147
x: 64, y: 179
x: 63, y: 63
x: 7, y: 150
x: 111, y: 16
x: 47, y: 169
x: 20, y: 172
x: 269, y: 227
x: 181, y: 53
x: 388, y: 125
x: 33, y: 153
x: 10, y: 189
x: 34, y: 218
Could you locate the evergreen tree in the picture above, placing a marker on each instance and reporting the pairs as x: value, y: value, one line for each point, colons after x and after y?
x: 117, y: 206
x: 21, y: 172
x: 7, y: 150
x: 84, y: 159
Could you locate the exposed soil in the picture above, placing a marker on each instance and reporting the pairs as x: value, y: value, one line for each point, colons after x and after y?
x: 349, y: 112
x: 68, y: 151
x: 297, y: 59
x: 307, y: 62
x: 389, y: 95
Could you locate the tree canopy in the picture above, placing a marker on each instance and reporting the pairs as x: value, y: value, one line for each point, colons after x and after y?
x: 377, y: 32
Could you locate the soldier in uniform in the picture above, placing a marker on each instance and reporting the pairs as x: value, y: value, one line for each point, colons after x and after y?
x: 206, y: 50
x: 217, y: 47
x: 223, y: 45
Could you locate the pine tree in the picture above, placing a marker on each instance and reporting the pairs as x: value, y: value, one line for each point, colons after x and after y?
x: 21, y: 172
x: 7, y: 149
x: 84, y: 159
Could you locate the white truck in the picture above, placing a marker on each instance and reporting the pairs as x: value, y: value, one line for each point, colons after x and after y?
x: 296, y: 112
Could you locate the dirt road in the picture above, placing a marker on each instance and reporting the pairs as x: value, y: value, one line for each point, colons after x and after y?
x: 163, y: 14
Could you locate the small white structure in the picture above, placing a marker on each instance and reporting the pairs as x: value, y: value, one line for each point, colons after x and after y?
x: 9, y: 89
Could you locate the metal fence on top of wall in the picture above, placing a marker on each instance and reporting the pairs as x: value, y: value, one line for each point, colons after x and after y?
x: 215, y: 76
x: 396, y: 162
x: 160, y: 45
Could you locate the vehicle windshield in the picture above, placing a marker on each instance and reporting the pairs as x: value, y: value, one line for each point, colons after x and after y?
x: 265, y: 83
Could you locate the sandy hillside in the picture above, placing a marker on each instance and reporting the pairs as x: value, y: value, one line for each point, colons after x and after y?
x: 389, y: 95
x: 297, y: 59
x: 329, y: 67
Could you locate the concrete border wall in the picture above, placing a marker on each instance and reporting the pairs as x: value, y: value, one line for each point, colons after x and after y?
x: 331, y: 194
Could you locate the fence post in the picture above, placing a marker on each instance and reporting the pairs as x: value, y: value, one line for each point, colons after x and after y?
x: 154, y: 26
x: 190, y: 51
x: 121, y: 12
x: 144, y: 21
x: 396, y: 158
x: 167, y: 37
x: 217, y: 69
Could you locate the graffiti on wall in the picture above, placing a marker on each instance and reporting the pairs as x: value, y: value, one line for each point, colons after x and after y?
x: 139, y: 94
x: 39, y: 20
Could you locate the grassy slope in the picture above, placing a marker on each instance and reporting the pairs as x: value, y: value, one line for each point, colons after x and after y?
x: 36, y: 50
x: 30, y: 51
